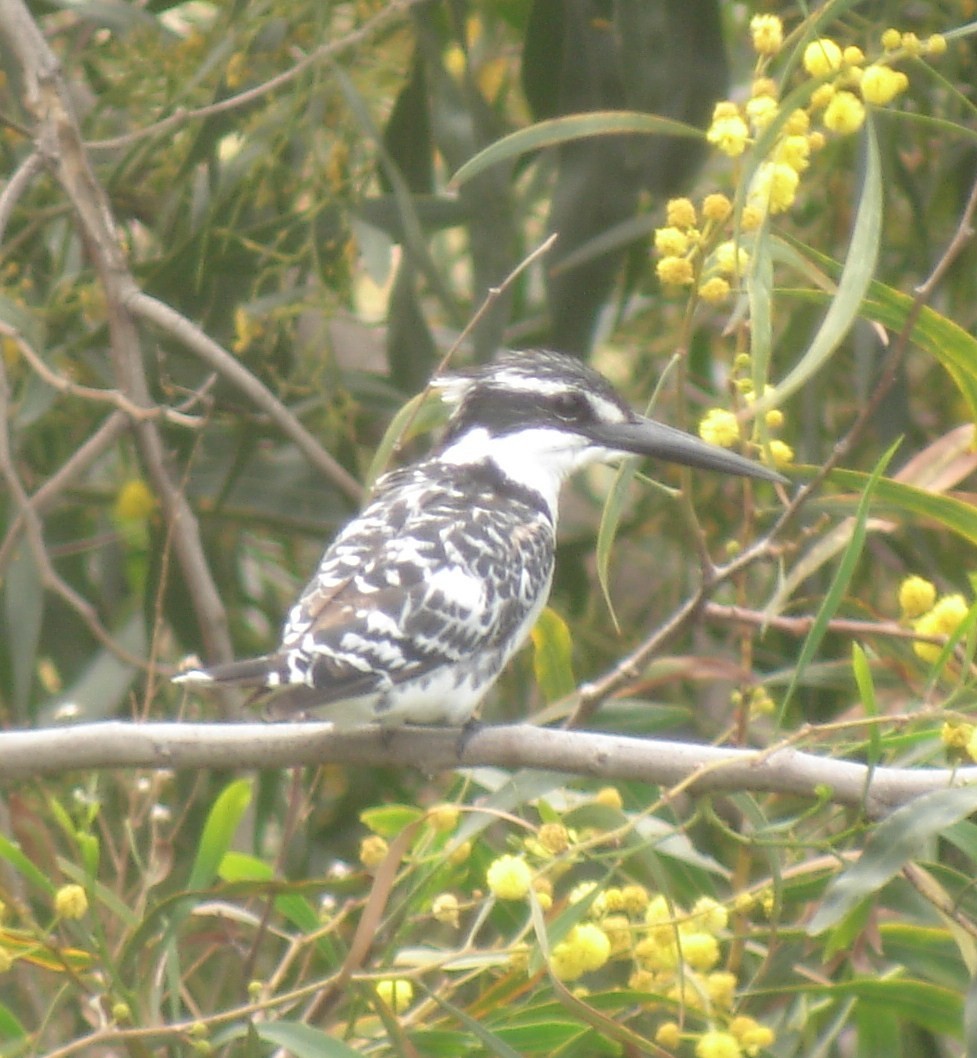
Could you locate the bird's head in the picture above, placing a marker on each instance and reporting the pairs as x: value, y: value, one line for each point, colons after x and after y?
x: 539, y: 416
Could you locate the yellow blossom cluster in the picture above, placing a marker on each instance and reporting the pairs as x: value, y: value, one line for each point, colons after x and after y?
x: 960, y: 740
x: 929, y: 615
x: 845, y: 82
x: 695, y: 247
x: 722, y: 427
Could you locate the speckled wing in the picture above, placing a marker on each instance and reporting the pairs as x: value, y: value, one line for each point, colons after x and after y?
x: 426, y: 579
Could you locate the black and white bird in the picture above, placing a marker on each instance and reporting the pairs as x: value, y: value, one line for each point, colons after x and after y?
x: 421, y: 600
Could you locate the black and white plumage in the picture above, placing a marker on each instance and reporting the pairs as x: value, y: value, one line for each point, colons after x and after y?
x: 422, y: 599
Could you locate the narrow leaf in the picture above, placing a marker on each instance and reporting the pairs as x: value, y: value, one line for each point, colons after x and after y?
x: 572, y: 127
x: 218, y: 833
x: 553, y: 656
x: 863, y: 251
x: 895, y: 841
x: 841, y: 580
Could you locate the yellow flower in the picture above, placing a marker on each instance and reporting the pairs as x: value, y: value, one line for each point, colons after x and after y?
x: 751, y: 1034
x: 700, y: 950
x: 634, y: 898
x: 586, y: 947
x: 794, y: 151
x: 709, y: 915
x: 911, y: 44
x: 444, y: 907
x: 443, y: 817
x: 657, y: 953
x: 721, y: 988
x: 609, y: 797
x: 781, y: 454
x: 618, y: 930
x: 70, y: 901
x: 675, y: 271
x: 373, y: 851
x: 936, y: 45
x: 942, y: 620
x: 680, y: 212
x: 774, y: 187
x: 668, y: 1035
x: 957, y: 736
x: 845, y: 113
x: 460, y: 854
x: 761, y: 111
x: 774, y: 418
x: 822, y: 57
x: 730, y: 259
x: 134, y: 503
x: 719, y: 427
x: 554, y: 837
x: 717, y: 1045
x: 972, y: 745
x: 509, y: 878
x: 716, y: 207
x: 397, y: 993
x: 853, y: 56
x: 714, y: 290
x: 822, y: 96
x: 763, y: 86
x: 916, y: 596
x: 729, y: 135
x: 816, y: 140
x: 768, y: 34
x: 881, y: 84
x: 671, y: 241
x: 798, y: 123
x: 751, y: 218
x: 891, y: 39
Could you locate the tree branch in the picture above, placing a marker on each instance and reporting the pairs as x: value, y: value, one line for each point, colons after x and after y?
x: 699, y: 769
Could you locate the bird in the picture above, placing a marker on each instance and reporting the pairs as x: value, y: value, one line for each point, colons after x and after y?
x: 421, y: 600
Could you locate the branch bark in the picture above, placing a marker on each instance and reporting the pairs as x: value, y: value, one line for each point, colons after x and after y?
x: 696, y: 768
x: 59, y: 145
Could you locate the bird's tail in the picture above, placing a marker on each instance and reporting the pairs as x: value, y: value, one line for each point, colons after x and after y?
x: 251, y: 672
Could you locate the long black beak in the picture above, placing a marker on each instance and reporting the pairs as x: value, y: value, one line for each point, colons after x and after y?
x: 649, y: 438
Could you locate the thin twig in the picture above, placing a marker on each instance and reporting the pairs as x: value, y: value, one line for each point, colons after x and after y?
x: 324, y: 53
x: 16, y: 186
x: 107, y: 434
x: 118, y: 400
x: 800, y: 626
x: 230, y: 368
x: 34, y: 534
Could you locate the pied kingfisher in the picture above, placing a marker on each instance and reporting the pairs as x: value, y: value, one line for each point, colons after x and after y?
x: 421, y: 600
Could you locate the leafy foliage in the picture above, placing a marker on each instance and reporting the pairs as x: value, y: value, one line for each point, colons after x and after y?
x: 256, y: 234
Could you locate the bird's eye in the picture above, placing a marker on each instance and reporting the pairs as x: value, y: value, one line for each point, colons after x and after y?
x: 572, y: 407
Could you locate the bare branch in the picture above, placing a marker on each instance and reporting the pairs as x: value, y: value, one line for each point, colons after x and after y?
x: 106, y: 435
x: 698, y: 768
x: 323, y: 54
x: 230, y: 368
x: 59, y: 143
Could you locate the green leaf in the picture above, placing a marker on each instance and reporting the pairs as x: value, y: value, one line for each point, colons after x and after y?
x: 841, y: 579
x: 942, y: 338
x: 218, y: 833
x: 12, y: 853
x: 866, y: 691
x: 894, y: 842
x: 553, y: 656
x: 303, y: 1041
x: 952, y: 514
x: 573, y: 127
x: 863, y: 251
x: 389, y: 820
